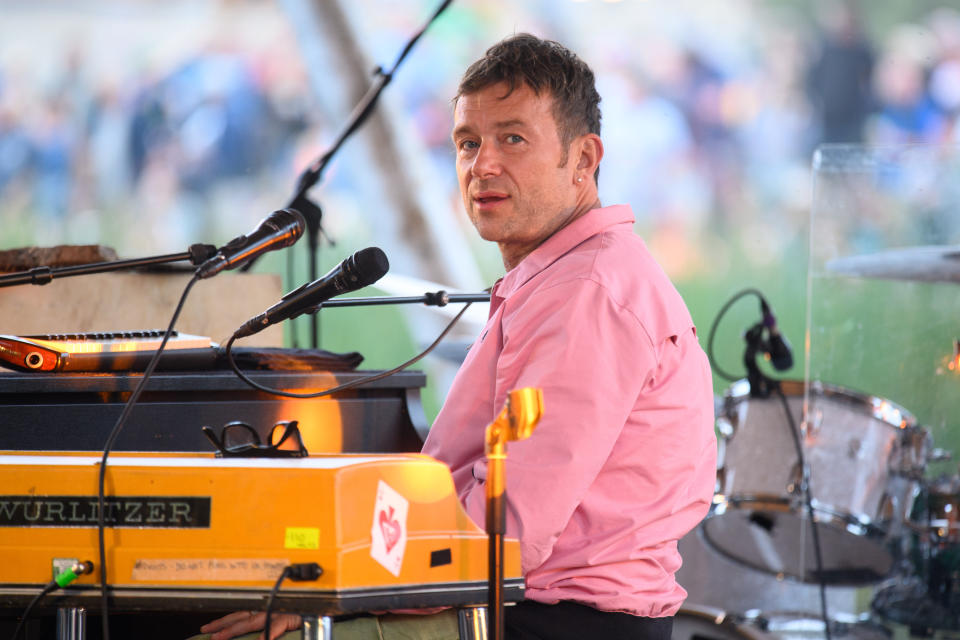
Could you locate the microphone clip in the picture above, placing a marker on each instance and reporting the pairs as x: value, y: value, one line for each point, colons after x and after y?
x: 436, y: 298
x: 761, y: 386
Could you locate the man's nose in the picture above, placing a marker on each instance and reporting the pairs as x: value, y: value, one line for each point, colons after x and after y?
x: 487, y: 161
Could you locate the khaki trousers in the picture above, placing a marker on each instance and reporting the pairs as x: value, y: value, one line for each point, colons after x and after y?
x: 438, y: 626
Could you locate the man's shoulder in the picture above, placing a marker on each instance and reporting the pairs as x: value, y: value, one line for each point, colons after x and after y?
x: 616, y: 259
x: 618, y: 262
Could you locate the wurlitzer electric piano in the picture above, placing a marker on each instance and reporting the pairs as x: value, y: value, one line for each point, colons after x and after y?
x: 189, y: 532
x: 194, y: 532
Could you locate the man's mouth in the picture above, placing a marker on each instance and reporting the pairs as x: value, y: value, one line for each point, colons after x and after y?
x: 489, y: 197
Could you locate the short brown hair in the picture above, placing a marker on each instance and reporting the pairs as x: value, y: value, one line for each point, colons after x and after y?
x: 544, y: 66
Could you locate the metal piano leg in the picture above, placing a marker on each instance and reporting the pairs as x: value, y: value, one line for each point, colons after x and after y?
x: 71, y: 623
x: 473, y: 623
x: 315, y: 628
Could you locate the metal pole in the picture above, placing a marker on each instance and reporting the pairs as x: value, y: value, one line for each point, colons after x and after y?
x: 71, y: 623
x: 315, y: 628
x: 472, y: 623
x: 496, y: 527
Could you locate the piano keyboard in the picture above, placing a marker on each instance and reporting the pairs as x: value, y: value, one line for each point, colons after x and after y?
x: 104, y: 351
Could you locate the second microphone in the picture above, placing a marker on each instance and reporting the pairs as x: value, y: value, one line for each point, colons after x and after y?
x: 356, y: 272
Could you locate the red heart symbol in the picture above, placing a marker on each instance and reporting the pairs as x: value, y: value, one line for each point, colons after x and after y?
x: 390, y: 528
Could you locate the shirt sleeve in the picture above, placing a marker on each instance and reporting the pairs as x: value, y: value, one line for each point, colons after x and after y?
x: 591, y: 357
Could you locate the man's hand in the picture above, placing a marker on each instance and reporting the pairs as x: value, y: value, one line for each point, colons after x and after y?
x: 241, y: 622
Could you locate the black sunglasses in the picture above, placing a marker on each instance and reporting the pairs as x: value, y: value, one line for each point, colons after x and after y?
x: 240, y: 440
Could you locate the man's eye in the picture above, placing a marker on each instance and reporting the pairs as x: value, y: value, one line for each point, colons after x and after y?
x: 514, y: 138
x: 467, y: 145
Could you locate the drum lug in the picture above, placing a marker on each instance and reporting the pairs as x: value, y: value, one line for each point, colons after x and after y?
x: 725, y: 427
x: 796, y: 480
x: 940, y: 455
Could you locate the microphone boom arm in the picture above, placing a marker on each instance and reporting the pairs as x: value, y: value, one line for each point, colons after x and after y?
x: 197, y: 254
x: 430, y: 299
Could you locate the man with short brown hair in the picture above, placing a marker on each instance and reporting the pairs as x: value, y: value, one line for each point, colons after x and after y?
x: 622, y: 463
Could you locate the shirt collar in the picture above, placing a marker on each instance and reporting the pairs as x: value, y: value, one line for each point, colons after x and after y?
x: 587, y: 225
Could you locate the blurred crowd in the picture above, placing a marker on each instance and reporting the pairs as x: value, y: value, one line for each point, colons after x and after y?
x: 151, y: 154
x: 707, y: 132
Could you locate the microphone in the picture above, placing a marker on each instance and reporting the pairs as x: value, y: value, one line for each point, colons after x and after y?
x: 776, y: 347
x: 278, y: 230
x: 356, y: 272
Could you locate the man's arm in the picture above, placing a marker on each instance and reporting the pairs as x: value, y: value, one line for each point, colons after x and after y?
x: 591, y: 357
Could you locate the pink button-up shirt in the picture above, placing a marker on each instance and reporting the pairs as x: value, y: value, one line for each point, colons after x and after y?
x: 622, y: 464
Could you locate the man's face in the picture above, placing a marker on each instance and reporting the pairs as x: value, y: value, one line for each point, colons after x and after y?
x: 508, y: 164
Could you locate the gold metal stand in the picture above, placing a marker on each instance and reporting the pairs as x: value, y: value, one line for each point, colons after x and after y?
x: 515, y: 422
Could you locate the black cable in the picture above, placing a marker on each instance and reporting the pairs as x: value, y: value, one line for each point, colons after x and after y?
x: 808, y: 502
x: 346, y: 385
x: 51, y: 586
x: 111, y: 439
x: 713, y: 331
x: 63, y: 579
x: 270, y: 599
x: 302, y: 572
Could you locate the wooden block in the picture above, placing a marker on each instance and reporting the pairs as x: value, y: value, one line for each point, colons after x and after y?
x: 64, y: 255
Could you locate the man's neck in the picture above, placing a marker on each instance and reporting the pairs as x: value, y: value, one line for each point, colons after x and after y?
x: 513, y: 254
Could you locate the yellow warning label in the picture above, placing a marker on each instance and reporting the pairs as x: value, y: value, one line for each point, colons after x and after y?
x: 302, y: 538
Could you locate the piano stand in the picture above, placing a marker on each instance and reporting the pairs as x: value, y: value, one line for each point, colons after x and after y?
x: 472, y: 623
x: 317, y: 628
x: 71, y: 623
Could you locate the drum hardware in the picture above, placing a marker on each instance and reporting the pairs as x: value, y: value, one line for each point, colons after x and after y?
x: 695, y: 622
x: 918, y: 264
x: 907, y: 602
x: 698, y: 622
x: 777, y: 351
x: 943, y: 512
x: 774, y: 346
x: 925, y: 598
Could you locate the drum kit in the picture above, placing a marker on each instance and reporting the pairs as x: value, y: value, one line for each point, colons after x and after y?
x: 882, y: 559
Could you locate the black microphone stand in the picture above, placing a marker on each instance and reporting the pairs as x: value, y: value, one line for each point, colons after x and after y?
x: 196, y: 254
x: 311, y: 175
x: 762, y: 386
x: 313, y: 215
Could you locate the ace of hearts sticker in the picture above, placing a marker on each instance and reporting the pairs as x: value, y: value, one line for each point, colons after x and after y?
x: 389, y: 529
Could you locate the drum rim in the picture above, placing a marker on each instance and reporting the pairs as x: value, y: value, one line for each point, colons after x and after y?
x: 721, y: 504
x: 835, y: 517
x: 740, y: 390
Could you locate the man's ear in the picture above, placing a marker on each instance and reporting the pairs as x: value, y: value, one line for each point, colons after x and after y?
x: 590, y: 153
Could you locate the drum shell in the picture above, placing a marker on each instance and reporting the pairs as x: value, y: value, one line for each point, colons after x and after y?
x: 714, y: 580
x: 853, y: 443
x: 865, y: 457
